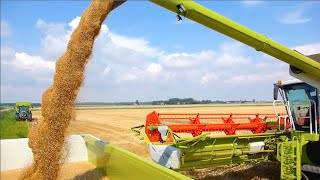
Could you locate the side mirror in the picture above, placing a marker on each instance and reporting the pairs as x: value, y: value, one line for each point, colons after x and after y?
x: 275, y: 91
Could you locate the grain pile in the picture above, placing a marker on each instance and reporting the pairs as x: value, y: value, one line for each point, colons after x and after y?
x: 46, y: 139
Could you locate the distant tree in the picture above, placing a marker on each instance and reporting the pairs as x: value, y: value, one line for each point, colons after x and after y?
x: 137, y: 102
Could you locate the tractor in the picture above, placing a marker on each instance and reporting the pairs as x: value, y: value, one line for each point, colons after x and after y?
x: 23, y: 111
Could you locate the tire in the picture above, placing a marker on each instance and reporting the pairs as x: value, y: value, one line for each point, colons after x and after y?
x: 17, y: 117
x: 29, y: 117
x: 304, y: 176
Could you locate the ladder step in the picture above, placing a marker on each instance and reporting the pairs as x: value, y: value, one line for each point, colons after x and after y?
x: 289, y: 160
x: 289, y: 177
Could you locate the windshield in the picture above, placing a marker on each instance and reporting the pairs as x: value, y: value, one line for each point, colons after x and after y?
x: 23, y: 108
x: 300, y: 97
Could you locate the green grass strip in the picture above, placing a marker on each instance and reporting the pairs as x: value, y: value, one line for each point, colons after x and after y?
x: 10, y: 128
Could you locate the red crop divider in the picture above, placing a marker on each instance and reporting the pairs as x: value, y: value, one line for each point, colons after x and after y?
x: 197, y: 123
x: 229, y: 120
x: 153, y: 119
x: 199, y: 129
x: 256, y: 119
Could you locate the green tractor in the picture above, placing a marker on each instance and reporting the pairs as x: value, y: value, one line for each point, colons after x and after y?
x: 23, y: 111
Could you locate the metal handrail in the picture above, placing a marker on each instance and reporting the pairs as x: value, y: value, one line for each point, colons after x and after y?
x: 310, y: 104
x: 315, y: 115
x: 290, y: 116
x: 279, y: 117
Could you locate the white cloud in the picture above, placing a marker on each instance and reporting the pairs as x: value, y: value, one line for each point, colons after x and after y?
x: 5, y: 29
x: 35, y: 64
x: 246, y: 78
x: 295, y: 17
x: 52, y: 53
x: 74, y: 23
x: 55, y: 39
x: 178, y: 60
x: 6, y: 53
x: 228, y: 59
x: 252, y: 2
x: 308, y: 49
x: 256, y: 78
x: 51, y: 28
x: 154, y: 68
x: 127, y: 77
x: 106, y: 70
x: 134, y: 44
x: 208, y: 77
x: 22, y: 72
x: 185, y: 60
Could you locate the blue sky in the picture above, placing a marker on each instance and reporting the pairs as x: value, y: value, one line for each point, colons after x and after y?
x: 143, y: 53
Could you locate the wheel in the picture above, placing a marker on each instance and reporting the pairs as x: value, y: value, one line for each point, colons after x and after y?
x: 29, y: 117
x: 17, y: 117
x: 310, y: 172
x: 304, y: 176
x: 313, y: 152
x: 309, y: 176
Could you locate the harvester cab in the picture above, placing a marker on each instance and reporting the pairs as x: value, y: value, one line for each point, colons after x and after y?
x: 23, y: 111
x: 302, y: 104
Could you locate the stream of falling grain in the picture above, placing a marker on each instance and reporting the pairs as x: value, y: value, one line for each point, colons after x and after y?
x: 46, y: 139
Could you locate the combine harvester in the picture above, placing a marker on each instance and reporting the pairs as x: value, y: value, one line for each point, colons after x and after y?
x: 294, y: 142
